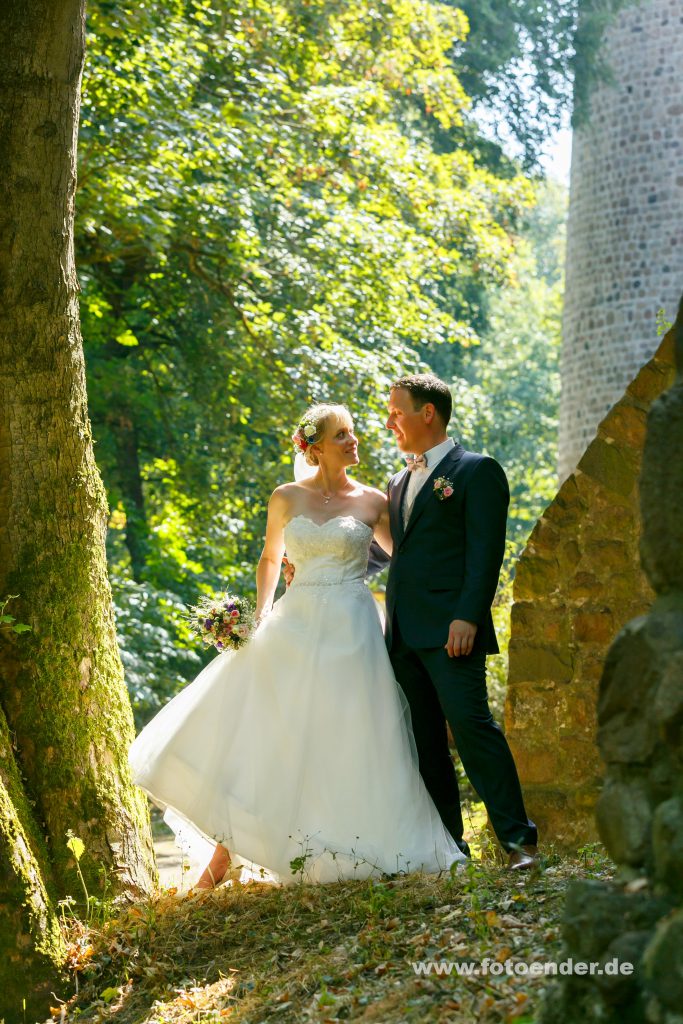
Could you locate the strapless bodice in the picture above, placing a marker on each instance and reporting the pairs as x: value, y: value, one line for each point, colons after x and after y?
x: 329, y: 553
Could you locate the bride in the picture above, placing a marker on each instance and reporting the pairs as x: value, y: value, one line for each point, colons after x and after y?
x: 294, y: 755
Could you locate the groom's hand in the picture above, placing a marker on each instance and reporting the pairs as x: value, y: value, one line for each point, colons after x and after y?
x: 461, y: 636
x: 287, y: 570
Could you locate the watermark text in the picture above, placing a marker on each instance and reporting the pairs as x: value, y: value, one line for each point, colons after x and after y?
x: 533, y: 968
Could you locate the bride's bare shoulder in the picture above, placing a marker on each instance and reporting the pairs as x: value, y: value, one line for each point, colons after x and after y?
x: 285, y: 490
x: 372, y: 494
x: 282, y: 497
x: 286, y: 495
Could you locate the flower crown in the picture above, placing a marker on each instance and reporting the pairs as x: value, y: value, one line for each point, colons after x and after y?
x: 304, y: 434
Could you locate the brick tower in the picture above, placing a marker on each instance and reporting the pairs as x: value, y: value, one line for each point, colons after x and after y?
x: 625, y: 229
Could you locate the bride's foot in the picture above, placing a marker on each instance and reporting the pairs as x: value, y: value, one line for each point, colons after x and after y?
x: 217, y: 870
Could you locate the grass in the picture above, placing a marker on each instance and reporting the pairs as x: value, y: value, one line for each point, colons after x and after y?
x: 258, y: 953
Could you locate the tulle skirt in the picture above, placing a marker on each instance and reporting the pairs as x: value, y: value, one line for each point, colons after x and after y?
x: 296, y: 752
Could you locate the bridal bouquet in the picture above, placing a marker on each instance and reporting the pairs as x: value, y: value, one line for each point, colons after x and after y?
x: 224, y: 621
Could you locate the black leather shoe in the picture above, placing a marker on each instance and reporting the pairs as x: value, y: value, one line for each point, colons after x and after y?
x: 523, y: 859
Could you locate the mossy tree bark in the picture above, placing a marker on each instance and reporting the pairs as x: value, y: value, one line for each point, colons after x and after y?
x: 32, y: 951
x: 65, y: 715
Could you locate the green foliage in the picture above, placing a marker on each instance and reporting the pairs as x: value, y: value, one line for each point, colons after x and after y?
x: 663, y: 323
x: 264, y: 219
x: 590, y: 63
x: 154, y: 641
x: 8, y: 621
x: 506, y: 393
x: 528, y: 63
x: 278, y: 204
x: 97, y: 908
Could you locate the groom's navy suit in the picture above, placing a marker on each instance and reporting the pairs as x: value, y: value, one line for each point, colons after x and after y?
x: 445, y: 565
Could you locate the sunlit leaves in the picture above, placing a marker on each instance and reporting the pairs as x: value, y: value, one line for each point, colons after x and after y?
x: 264, y: 219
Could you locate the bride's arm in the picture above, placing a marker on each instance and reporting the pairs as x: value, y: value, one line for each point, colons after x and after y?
x: 382, y: 527
x: 268, y: 570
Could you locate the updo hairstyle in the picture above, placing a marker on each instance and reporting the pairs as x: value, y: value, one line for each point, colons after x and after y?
x: 313, y: 426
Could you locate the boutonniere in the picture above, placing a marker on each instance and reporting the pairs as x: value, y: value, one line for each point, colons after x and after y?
x: 443, y: 487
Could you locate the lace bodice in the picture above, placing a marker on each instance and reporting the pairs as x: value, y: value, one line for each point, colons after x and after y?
x: 334, y: 552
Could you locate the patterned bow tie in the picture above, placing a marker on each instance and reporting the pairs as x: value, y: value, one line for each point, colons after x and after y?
x: 416, y: 462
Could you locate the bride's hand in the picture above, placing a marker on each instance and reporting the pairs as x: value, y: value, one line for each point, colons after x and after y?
x: 260, y: 616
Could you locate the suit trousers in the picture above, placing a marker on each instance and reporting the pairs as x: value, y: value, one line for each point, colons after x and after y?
x: 444, y: 690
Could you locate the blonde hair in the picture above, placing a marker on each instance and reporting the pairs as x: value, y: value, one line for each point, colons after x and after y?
x: 318, y: 416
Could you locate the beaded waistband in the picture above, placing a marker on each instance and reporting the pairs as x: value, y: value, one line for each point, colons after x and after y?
x: 357, y: 581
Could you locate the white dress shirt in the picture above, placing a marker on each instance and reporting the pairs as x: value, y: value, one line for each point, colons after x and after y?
x: 418, y: 476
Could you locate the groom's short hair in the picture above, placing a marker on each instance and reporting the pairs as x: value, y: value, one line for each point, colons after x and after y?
x: 427, y: 387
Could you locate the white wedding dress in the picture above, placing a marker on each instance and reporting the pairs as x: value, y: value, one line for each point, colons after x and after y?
x: 299, y: 745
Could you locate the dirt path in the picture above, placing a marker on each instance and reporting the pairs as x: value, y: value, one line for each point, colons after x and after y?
x: 175, y: 871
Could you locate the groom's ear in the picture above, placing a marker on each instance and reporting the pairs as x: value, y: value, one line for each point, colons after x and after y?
x: 428, y: 411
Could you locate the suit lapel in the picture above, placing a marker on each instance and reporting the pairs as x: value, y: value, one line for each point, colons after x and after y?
x: 426, y: 492
x: 396, y: 505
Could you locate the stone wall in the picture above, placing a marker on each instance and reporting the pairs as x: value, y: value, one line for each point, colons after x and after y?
x: 625, y: 227
x: 577, y: 583
x: 638, y: 917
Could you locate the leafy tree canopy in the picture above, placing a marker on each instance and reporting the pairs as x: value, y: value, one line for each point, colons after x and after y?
x: 277, y: 204
x: 529, y: 64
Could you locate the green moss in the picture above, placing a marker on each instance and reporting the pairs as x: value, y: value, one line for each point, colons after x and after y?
x: 32, y: 950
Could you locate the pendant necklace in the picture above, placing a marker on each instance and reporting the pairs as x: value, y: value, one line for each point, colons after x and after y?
x: 328, y: 497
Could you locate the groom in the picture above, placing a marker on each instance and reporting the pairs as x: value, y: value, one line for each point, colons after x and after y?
x: 448, y: 511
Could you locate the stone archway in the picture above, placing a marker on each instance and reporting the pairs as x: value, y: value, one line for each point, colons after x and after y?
x: 578, y: 582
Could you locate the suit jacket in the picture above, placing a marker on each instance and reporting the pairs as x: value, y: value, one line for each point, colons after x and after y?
x: 446, y: 562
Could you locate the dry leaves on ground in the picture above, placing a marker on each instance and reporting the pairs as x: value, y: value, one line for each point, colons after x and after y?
x: 345, y: 951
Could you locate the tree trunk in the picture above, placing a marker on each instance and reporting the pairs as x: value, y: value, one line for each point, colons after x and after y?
x: 31, y: 947
x: 124, y: 429
x: 61, y: 684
